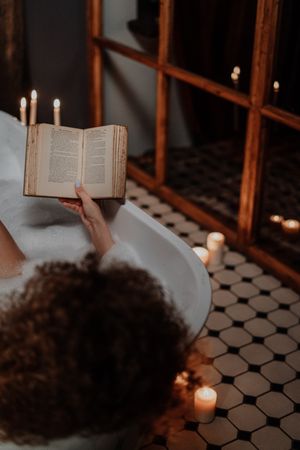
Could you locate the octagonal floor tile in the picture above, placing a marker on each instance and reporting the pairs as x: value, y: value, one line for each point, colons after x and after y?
x: 251, y: 383
x: 282, y: 318
x: 256, y: 354
x: 240, y: 311
x: 281, y: 343
x: 211, y: 346
x: 248, y: 270
x: 186, y: 439
x: 218, y: 321
x: 186, y: 227
x: 266, y: 282
x: 265, y: 438
x: 294, y: 333
x: 160, y: 208
x: 214, y: 284
x: 199, y: 237
x: 219, y: 432
x: 224, y: 298
x: 285, y: 295
x: 275, y: 404
x: 228, y: 396
x: 244, y: 290
x: 278, y: 372
x: 227, y: 277
x: 290, y: 425
x: 293, y: 360
x: 233, y: 258
x: 263, y: 303
x: 209, y: 374
x: 247, y: 417
x: 173, y: 218
x: 292, y: 390
x: 295, y: 308
x: 230, y: 364
x: 235, y: 337
x: 260, y: 327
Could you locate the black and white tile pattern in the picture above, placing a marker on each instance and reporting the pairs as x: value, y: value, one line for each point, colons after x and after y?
x: 252, y: 343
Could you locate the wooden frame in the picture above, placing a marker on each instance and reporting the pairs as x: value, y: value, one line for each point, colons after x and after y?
x: 255, y: 102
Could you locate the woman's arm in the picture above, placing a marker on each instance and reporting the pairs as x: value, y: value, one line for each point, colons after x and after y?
x: 11, y: 257
x: 92, y: 218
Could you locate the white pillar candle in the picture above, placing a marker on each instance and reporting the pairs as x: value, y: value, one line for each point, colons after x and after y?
x: 33, y: 108
x: 237, y: 70
x: 23, y: 117
x: 205, y: 400
x: 291, y: 226
x: 276, y: 87
x: 202, y: 253
x: 56, y: 111
x: 215, y: 245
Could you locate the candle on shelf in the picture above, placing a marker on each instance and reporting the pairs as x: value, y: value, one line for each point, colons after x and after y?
x: 23, y: 117
x: 202, y: 253
x: 237, y: 70
x: 276, y: 87
x: 215, y: 244
x: 291, y: 226
x: 56, y: 111
x: 276, y: 220
x: 33, y: 108
x: 235, y: 79
x: 205, y: 400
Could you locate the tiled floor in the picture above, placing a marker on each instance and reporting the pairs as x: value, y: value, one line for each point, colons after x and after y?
x: 252, y: 337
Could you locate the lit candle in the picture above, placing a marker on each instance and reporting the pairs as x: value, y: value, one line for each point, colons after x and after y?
x: 276, y: 87
x: 215, y: 244
x: 202, y: 253
x: 276, y: 220
x: 205, y: 399
x: 291, y: 226
x: 56, y: 111
x: 33, y: 108
x: 237, y: 70
x: 23, y: 117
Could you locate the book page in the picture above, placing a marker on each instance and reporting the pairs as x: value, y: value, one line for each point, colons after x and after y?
x: 60, y: 155
x: 97, y: 161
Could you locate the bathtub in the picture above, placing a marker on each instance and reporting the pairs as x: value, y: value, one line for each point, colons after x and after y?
x: 45, y: 230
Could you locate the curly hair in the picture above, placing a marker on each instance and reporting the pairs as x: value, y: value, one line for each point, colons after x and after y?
x: 87, y: 352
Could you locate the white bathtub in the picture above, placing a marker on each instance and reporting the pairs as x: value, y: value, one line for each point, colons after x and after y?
x: 45, y: 230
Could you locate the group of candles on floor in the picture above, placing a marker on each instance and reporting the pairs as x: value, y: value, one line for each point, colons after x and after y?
x: 33, y: 110
x: 213, y: 254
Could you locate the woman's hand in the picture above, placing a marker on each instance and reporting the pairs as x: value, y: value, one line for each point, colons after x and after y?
x: 91, y: 216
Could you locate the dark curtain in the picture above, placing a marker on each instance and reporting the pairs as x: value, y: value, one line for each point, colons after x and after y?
x: 12, y: 73
x: 210, y: 38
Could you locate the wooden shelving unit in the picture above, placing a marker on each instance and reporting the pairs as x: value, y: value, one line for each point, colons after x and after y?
x: 256, y: 102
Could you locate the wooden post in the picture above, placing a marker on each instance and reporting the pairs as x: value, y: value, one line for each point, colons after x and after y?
x: 95, y: 61
x: 263, y: 54
x: 162, y: 92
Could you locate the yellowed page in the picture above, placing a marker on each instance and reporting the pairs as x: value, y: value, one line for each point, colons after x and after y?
x: 97, y: 161
x: 60, y: 156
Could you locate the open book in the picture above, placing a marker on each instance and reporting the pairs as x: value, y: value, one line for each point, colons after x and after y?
x: 56, y: 156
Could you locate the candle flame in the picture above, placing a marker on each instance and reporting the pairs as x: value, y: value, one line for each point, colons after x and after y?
x: 206, y: 393
x: 276, y: 86
x: 234, y: 76
x: 237, y: 70
x: 276, y: 218
x: 23, y: 102
x: 33, y: 94
x: 56, y: 103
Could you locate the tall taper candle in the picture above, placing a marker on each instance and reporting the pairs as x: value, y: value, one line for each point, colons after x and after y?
x: 23, y: 117
x: 33, y: 108
x: 56, y: 111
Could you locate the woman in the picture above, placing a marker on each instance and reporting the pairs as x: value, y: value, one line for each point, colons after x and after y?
x: 83, y: 350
